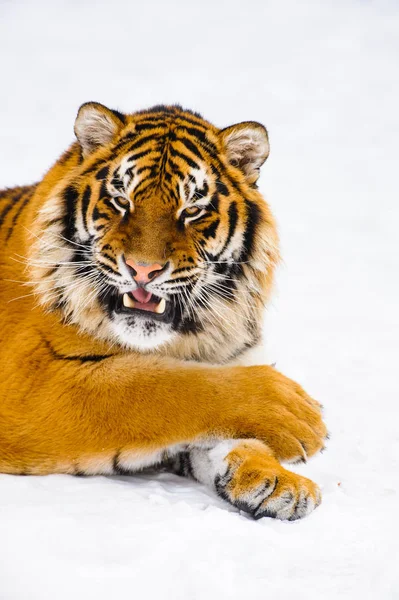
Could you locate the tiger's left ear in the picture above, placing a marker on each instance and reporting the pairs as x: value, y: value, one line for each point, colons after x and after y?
x: 96, y: 125
x: 247, y: 147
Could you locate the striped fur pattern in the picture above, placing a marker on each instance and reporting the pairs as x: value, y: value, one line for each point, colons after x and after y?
x: 164, y: 189
x: 144, y: 254
x: 246, y: 474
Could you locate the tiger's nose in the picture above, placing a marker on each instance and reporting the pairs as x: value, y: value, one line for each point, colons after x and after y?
x: 144, y: 272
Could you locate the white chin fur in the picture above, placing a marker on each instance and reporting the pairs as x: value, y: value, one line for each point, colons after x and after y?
x: 136, y: 337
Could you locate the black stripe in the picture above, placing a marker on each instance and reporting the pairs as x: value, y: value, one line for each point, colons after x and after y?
x: 15, y: 198
x: 70, y: 198
x: 17, y: 214
x: 190, y: 146
x: 97, y: 214
x: 181, y: 270
x: 141, y: 141
x: 142, y: 186
x: 188, y: 325
x: 184, y: 157
x: 254, y: 216
x: 153, y: 168
x: 182, y: 465
x: 109, y: 257
x: 82, y: 358
x: 102, y: 173
x: 117, y: 183
x: 202, y: 192
x: 5, y: 193
x: 119, y: 115
x: 173, y: 193
x: 222, y: 188
x: 144, y: 126
x: 175, y: 168
x: 85, y: 205
x: 187, y: 279
x: 160, y: 119
x: 111, y: 205
x: 233, y: 218
x: 103, y: 189
x: 214, y: 203
x: 87, y: 357
x: 208, y: 146
x: 210, y: 231
x: 98, y: 163
x: 183, y: 120
x: 98, y: 229
x: 138, y: 155
x: 155, y: 114
x: 126, y: 138
x: 198, y: 133
x: 106, y: 267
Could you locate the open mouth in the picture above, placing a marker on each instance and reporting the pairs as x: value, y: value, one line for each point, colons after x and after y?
x: 142, y: 300
x: 143, y: 303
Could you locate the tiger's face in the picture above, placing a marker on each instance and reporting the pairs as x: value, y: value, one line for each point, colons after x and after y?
x: 163, y: 241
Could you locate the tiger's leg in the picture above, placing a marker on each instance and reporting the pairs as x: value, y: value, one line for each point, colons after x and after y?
x: 117, y: 414
x: 246, y: 474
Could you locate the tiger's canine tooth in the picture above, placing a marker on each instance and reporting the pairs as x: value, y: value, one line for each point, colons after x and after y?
x: 160, y: 309
x: 128, y: 302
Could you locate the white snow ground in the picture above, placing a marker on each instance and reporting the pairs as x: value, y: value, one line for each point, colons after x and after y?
x: 323, y: 77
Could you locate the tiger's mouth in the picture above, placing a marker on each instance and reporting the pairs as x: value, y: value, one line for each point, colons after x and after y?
x: 142, y: 303
x: 141, y: 300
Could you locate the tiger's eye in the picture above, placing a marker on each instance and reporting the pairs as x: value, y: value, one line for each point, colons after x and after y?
x: 122, y: 201
x: 191, y: 211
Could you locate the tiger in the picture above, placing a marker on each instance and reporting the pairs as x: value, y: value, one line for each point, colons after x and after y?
x: 134, y: 280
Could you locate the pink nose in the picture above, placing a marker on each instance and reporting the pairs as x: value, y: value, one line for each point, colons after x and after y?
x: 143, y: 272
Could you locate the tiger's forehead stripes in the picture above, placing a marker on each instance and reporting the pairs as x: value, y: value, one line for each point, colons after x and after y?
x: 163, y: 157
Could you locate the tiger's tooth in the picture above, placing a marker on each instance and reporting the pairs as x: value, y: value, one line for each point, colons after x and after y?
x: 160, y: 309
x: 128, y: 302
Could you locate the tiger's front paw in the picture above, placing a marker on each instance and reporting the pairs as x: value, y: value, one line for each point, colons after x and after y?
x: 251, y: 479
x: 282, y: 415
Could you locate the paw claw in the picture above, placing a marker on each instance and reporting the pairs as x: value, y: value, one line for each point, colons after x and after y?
x: 258, y: 484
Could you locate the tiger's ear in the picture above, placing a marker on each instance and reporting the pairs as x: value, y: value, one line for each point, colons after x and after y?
x: 247, y: 147
x: 96, y: 125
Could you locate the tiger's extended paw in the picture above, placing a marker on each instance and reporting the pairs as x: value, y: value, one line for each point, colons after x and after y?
x: 282, y: 415
x: 251, y: 479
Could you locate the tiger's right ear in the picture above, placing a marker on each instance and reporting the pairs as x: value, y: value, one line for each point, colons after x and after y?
x: 96, y: 125
x: 247, y: 147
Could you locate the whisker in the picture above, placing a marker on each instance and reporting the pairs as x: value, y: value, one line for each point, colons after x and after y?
x: 85, y: 246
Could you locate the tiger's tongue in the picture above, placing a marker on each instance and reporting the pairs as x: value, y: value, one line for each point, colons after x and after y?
x: 141, y: 295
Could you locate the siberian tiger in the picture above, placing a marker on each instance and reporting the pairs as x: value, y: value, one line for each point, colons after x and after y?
x: 131, y: 276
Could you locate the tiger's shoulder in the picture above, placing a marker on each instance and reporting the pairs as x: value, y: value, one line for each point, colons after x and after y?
x: 13, y: 202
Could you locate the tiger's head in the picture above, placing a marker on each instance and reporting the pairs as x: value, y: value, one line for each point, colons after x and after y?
x: 152, y: 233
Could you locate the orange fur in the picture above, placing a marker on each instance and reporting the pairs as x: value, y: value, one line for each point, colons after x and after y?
x: 76, y: 400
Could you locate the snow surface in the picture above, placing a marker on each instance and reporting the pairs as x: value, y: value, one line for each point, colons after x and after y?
x: 323, y: 77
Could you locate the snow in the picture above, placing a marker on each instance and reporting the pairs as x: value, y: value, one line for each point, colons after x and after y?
x: 322, y: 76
